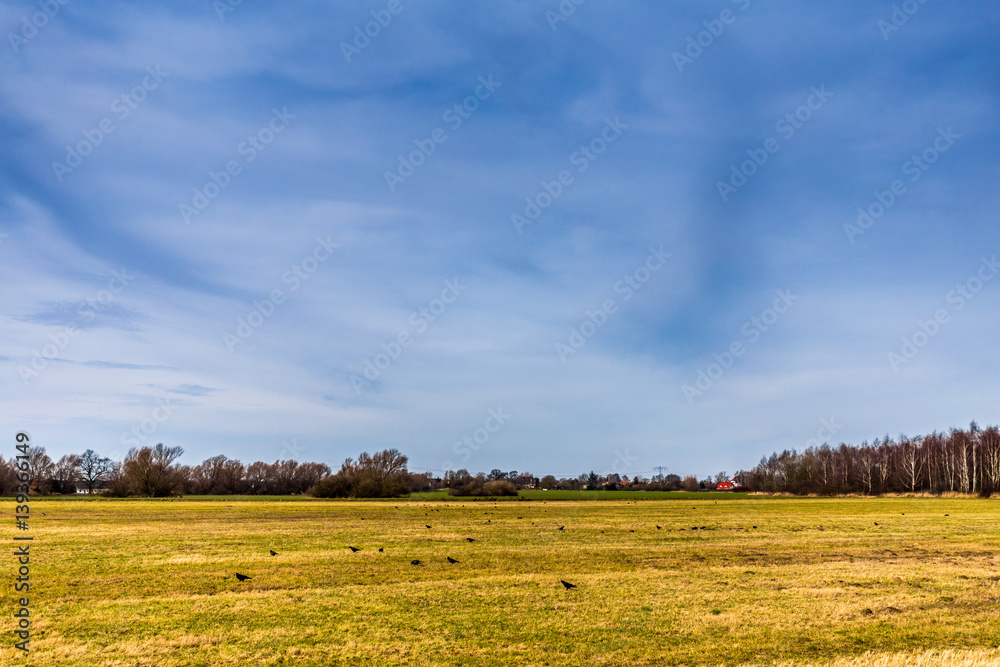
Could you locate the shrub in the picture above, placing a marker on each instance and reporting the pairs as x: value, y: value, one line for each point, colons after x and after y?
x: 382, y: 475
x: 480, y: 486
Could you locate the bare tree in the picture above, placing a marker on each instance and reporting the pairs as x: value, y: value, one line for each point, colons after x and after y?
x: 150, y: 471
x: 8, y: 475
x: 64, y: 476
x: 39, y: 469
x: 93, y: 469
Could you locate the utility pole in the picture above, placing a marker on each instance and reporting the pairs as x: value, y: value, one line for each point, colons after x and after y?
x: 659, y: 472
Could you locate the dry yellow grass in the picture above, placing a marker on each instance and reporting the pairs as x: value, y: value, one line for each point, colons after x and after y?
x: 958, y: 658
x: 817, y: 582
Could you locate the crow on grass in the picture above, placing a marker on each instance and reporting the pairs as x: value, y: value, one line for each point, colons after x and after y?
x: 414, y: 562
x: 567, y: 584
x: 451, y: 560
x: 273, y: 552
x: 242, y: 577
x: 469, y: 539
x: 354, y: 549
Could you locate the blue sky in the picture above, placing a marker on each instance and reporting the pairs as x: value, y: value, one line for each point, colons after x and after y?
x: 201, y: 245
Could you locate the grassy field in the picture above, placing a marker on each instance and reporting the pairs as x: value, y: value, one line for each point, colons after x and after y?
x: 740, y: 581
x: 539, y: 494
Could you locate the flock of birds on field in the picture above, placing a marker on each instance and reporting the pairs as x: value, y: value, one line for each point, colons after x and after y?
x: 452, y: 561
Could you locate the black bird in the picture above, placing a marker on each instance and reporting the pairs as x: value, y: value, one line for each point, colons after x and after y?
x: 469, y: 539
x: 561, y: 527
x: 658, y: 528
x: 414, y: 562
x: 755, y: 527
x: 876, y: 523
x: 947, y: 515
x: 567, y: 584
x: 273, y: 552
x: 451, y: 560
x: 354, y: 549
x: 380, y: 550
x: 241, y: 577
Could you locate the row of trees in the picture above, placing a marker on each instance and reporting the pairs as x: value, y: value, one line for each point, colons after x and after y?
x: 962, y: 461
x: 591, y: 481
x: 154, y: 472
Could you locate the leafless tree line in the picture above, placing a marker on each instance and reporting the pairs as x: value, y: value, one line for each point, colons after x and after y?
x: 962, y: 461
x: 154, y: 472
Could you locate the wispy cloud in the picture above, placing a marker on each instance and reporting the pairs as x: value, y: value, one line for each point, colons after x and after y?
x: 323, y: 176
x: 84, y: 316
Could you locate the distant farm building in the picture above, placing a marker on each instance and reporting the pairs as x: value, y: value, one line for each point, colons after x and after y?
x: 731, y: 485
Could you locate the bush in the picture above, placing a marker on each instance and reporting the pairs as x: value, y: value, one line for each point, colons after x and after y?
x: 480, y: 486
x: 334, y: 486
x: 382, y: 475
x: 499, y: 488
